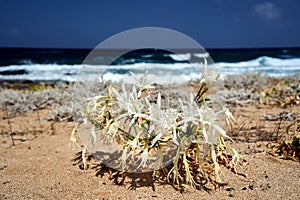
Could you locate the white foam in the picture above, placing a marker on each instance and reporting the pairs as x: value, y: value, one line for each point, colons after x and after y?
x: 180, y: 57
x: 201, y: 55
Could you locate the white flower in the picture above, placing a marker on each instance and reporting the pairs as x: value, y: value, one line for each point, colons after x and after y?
x: 144, y: 157
x: 209, y: 74
x: 171, y: 116
x: 143, y: 82
x: 229, y: 117
x: 156, y: 113
x: 157, y: 118
x: 129, y: 102
x: 166, y: 121
x: 211, y: 130
x: 214, y: 133
x: 189, y: 110
x: 122, y: 97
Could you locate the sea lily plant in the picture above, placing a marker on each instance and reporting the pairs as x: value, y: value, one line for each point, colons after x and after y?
x: 186, y: 141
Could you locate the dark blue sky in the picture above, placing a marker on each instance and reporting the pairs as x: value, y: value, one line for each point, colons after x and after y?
x: 213, y: 23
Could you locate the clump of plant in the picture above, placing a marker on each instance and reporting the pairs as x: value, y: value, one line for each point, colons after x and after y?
x: 247, y: 81
x: 289, y: 149
x: 283, y: 93
x: 19, y: 102
x: 37, y: 98
x: 186, y: 142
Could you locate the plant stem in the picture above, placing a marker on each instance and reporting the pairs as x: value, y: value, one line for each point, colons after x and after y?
x: 9, y: 124
x: 38, y: 115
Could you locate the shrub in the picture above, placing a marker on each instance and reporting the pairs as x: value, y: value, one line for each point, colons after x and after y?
x: 187, y: 141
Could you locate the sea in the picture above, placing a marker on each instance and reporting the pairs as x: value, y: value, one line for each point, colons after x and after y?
x: 42, y: 64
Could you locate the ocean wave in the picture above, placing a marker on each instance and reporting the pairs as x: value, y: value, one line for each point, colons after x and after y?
x: 55, y: 72
x: 263, y: 61
x: 265, y: 65
x: 171, y: 72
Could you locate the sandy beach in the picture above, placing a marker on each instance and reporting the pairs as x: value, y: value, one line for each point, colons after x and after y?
x: 42, y: 163
x: 107, y: 100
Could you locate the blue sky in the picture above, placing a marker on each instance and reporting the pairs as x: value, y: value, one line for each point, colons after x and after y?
x: 213, y: 23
